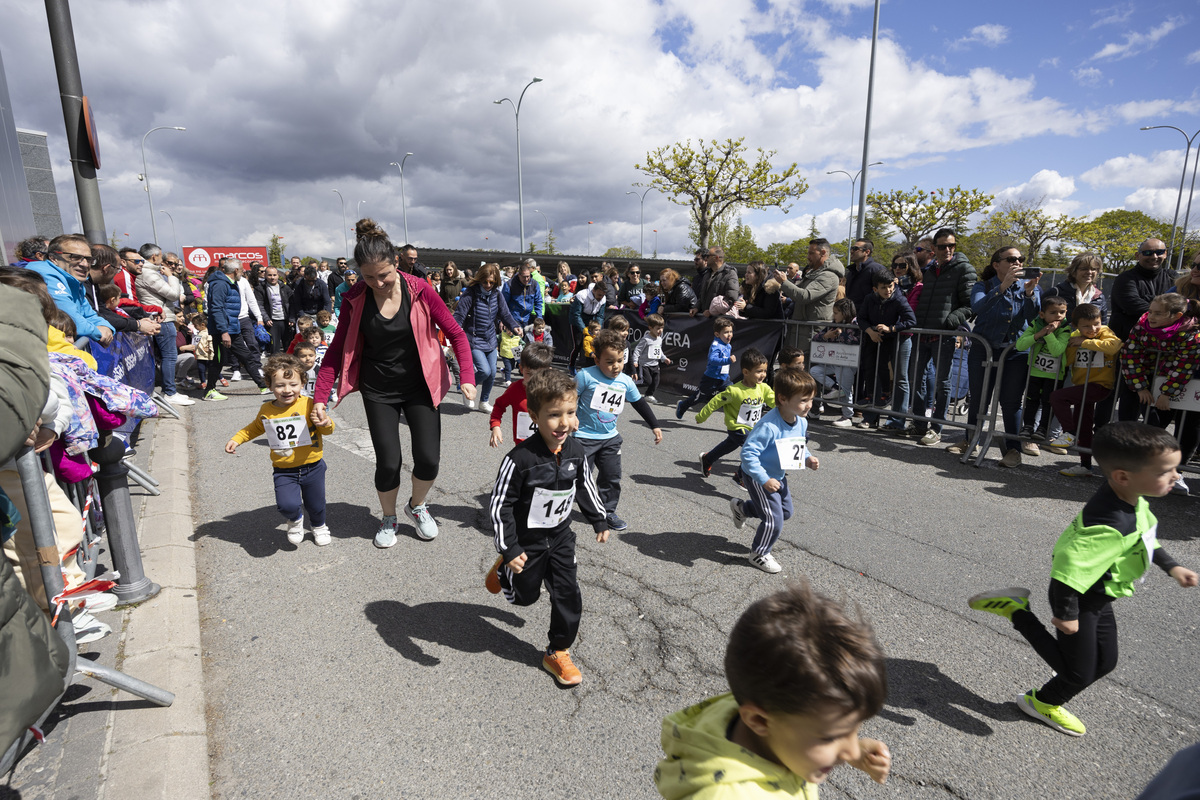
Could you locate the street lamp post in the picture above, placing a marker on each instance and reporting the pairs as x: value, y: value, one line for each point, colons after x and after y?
x: 642, y: 223
x: 853, y: 180
x: 862, y: 198
x: 358, y: 209
x: 173, y: 235
x: 543, y: 213
x: 589, y: 238
x: 146, y: 174
x: 345, y: 236
x: 520, y: 188
x: 403, y: 206
x: 1182, y: 178
x: 656, y: 242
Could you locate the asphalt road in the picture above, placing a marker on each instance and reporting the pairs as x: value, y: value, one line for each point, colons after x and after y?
x: 350, y: 672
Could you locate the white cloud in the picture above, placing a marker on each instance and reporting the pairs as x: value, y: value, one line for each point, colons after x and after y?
x: 1136, y: 41
x: 1160, y: 170
x: 1087, y: 76
x: 1049, y: 62
x: 1193, y: 57
x: 991, y: 35
x: 1114, y: 15
x: 1048, y: 187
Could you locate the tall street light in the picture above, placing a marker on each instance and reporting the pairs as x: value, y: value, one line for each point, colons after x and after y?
x: 543, y: 213
x: 853, y: 180
x: 520, y: 188
x: 642, y: 223
x: 146, y: 175
x: 862, y: 197
x: 1182, y: 178
x: 403, y: 207
x: 173, y: 235
x: 656, y: 242
x: 345, y: 236
x: 358, y: 209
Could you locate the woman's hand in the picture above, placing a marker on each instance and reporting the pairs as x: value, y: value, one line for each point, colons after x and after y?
x: 1163, y: 403
x: 318, y: 415
x: 468, y: 391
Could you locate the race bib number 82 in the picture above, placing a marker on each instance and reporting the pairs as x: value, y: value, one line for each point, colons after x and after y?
x: 284, y: 433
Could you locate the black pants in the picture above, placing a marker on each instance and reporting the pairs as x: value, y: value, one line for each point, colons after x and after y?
x: 577, y: 347
x: 1081, y: 658
x: 221, y: 353
x: 732, y: 441
x: 605, y: 457
x: 706, y: 391
x: 296, y: 485
x: 281, y: 335
x: 249, y: 352
x: 425, y: 430
x: 650, y: 377
x: 550, y: 561
x: 1037, y: 398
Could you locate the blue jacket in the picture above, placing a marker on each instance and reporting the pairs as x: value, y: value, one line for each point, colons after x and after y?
x: 71, y: 298
x: 223, y: 303
x: 1000, y: 316
x: 760, y: 459
x: 479, y: 313
x: 893, y: 312
x: 525, y: 302
x: 718, y: 360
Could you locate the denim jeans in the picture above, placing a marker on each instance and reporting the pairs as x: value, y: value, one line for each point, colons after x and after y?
x: 827, y: 374
x: 941, y: 354
x: 1012, y: 389
x: 165, y: 339
x: 901, y: 393
x: 485, y: 372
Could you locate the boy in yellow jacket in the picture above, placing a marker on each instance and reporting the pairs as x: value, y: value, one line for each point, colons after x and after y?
x: 1092, y: 355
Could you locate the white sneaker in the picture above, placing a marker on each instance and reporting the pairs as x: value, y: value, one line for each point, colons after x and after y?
x: 321, y: 535
x: 766, y: 563
x: 1064, y: 440
x: 237, y: 376
x: 832, y: 394
x: 739, y: 516
x: 1076, y: 471
x: 652, y: 399
x: 178, y: 399
x: 105, y: 601
x: 470, y: 404
x: 485, y: 407
x: 843, y: 422
x: 295, y: 531
x: 386, y: 535
x: 930, y: 438
x: 89, y: 629
x: 1180, y: 487
x: 422, y: 520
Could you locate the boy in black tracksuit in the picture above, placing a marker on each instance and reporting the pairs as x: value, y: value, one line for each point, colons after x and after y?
x: 539, y: 481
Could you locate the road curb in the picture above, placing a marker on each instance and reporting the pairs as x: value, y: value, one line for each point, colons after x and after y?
x: 163, y: 752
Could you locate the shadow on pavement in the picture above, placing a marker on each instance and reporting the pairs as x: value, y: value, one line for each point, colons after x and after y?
x: 686, y: 547
x: 473, y: 515
x: 459, y: 626
x: 260, y: 531
x: 923, y: 687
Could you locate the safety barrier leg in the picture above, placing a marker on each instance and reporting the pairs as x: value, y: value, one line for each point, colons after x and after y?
x: 134, y: 469
x: 41, y: 520
x: 132, y: 586
x: 165, y: 405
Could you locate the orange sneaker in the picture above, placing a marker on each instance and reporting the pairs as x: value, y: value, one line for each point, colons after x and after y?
x: 559, y: 665
x: 492, y: 581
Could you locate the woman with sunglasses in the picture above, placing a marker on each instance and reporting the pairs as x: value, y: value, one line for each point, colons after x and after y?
x: 633, y: 288
x: 1003, y: 303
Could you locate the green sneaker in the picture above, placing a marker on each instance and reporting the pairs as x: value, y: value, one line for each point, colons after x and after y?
x: 1002, y: 602
x: 213, y: 394
x: 1056, y: 717
x: 264, y: 390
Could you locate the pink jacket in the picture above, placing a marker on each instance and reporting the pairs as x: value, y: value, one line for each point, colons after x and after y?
x: 427, y: 313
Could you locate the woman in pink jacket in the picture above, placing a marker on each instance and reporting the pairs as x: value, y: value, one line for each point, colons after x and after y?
x: 386, y: 347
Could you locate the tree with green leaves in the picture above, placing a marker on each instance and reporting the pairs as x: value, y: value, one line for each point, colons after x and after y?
x: 919, y: 213
x: 714, y: 178
x: 739, y: 245
x: 1023, y: 222
x: 784, y: 253
x: 624, y: 251
x: 1115, y: 235
x: 275, y: 251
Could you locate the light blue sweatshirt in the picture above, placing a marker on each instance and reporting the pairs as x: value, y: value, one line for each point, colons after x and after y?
x: 760, y: 459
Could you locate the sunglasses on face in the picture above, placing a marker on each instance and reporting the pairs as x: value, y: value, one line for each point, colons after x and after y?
x: 1014, y: 260
x: 1195, y: 267
x: 856, y: 249
x: 920, y: 250
x: 1154, y: 252
x: 950, y: 246
x: 899, y: 266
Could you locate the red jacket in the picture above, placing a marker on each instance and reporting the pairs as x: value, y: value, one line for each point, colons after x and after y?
x: 427, y: 314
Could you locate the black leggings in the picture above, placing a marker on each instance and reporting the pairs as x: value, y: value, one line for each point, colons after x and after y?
x: 425, y: 429
x: 1080, y: 659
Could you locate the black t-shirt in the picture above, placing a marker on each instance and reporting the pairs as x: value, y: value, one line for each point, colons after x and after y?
x: 391, y: 366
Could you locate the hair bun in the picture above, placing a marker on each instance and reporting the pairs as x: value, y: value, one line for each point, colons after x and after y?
x: 368, y: 227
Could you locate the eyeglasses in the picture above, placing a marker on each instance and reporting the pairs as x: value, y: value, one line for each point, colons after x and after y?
x: 920, y: 250
x: 1154, y: 252
x: 135, y: 260
x: 1014, y: 260
x: 856, y: 249
x: 949, y: 246
x: 75, y: 258
x: 635, y: 273
x: 900, y: 265
x: 174, y: 263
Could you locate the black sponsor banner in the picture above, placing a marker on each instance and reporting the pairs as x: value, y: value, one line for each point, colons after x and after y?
x: 685, y: 341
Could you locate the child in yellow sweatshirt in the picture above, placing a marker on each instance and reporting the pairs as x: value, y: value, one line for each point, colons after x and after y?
x: 1092, y: 355
x: 296, y: 452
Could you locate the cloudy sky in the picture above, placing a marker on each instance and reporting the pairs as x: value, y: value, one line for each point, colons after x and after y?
x: 286, y: 100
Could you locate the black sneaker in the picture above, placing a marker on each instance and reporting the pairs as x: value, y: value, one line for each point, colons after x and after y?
x: 738, y: 478
x: 705, y: 467
x: 679, y: 409
x: 615, y: 523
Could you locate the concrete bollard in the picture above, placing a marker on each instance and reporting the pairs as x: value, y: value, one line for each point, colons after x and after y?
x: 132, y: 584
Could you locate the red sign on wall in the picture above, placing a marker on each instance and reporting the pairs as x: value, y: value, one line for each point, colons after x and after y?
x: 198, y: 259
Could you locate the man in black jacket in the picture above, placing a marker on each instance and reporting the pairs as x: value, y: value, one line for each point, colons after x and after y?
x: 1131, y: 294
x: 310, y: 296
x: 722, y: 281
x: 275, y: 299
x: 861, y: 272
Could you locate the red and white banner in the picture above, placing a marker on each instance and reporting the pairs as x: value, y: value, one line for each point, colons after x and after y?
x: 198, y: 259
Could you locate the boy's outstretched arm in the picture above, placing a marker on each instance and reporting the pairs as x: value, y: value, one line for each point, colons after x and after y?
x: 875, y: 759
x: 1184, y: 576
x: 642, y: 407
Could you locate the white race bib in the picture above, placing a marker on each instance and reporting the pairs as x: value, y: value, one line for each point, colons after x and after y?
x: 310, y: 388
x: 1148, y: 539
x: 654, y: 352
x: 725, y: 370
x: 1048, y: 363
x: 609, y: 398
x: 284, y: 433
x: 550, y: 508
x: 525, y: 427
x: 1093, y: 359
x: 750, y: 413
x: 792, y: 452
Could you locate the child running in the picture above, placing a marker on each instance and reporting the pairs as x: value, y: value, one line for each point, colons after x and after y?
x: 648, y: 354
x: 1097, y: 558
x: 296, y: 452
x: 603, y: 393
x: 744, y: 404
x: 777, y: 444
x: 803, y: 677
x: 1092, y: 353
x: 538, y: 482
x: 534, y: 358
x: 716, y: 374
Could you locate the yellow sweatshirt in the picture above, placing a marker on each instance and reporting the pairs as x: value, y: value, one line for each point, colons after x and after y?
x: 284, y: 431
x: 58, y: 343
x: 1103, y: 371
